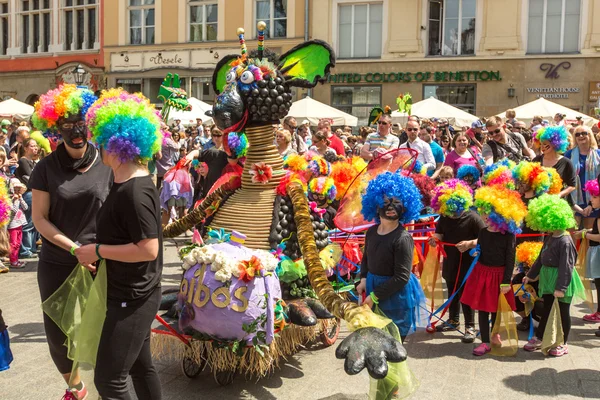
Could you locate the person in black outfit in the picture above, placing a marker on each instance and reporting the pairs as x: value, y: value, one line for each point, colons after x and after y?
x: 216, y: 160
x: 27, y: 160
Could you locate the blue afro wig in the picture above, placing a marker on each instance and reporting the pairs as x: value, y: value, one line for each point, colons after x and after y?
x: 466, y: 170
x: 557, y: 136
x: 395, y: 186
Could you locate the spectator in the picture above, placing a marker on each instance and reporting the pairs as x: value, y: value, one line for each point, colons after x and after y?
x: 3, y: 141
x: 579, y: 119
x: 462, y: 154
x: 168, y: 153
x: 559, y: 119
x: 446, y: 173
x: 304, y: 134
x: 178, y: 126
x: 321, y: 145
x: 438, y: 152
x: 511, y: 117
x: 381, y: 141
x: 297, y: 142
x: 502, y: 144
x: 424, y: 154
x: 335, y: 142
x: 444, y: 127
x: 17, y: 221
x: 199, y: 127
x: 27, y: 162
x: 474, y: 132
x: 536, y: 123
x: 283, y: 139
x: 21, y: 134
x: 446, y: 145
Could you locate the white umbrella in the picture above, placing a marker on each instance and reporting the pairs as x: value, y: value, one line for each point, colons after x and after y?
x: 547, y: 110
x: 313, y: 111
x: 434, y: 108
x: 199, y: 108
x: 15, y: 108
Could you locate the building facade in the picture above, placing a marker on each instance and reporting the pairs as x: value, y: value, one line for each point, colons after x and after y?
x: 146, y: 39
x: 43, y: 41
x: 483, y: 56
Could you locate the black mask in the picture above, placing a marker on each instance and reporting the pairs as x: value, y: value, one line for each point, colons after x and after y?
x: 71, y: 131
x: 398, y: 209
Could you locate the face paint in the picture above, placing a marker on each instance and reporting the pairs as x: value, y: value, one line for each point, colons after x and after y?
x: 74, y: 133
x: 392, y: 209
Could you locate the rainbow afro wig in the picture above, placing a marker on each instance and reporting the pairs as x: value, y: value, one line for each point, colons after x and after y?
x: 237, y: 144
x: 126, y: 125
x: 557, y: 136
x: 295, y: 163
x: 451, y: 198
x: 504, y: 208
x: 527, y: 253
x: 323, y: 186
x: 591, y: 187
x: 66, y: 101
x: 5, y: 203
x: 540, y: 179
x: 499, y: 173
x: 549, y: 213
x: 468, y: 170
x: 318, y: 166
x: 394, y: 186
x: 425, y: 185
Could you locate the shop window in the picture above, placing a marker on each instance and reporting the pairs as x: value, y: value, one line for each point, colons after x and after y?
x: 130, y: 85
x: 203, y: 21
x: 34, y: 17
x: 553, y: 26
x: 4, y: 20
x: 359, y: 31
x: 356, y: 100
x: 274, y: 13
x: 141, y: 21
x: 460, y: 96
x: 451, y: 30
x: 80, y: 24
x: 203, y: 90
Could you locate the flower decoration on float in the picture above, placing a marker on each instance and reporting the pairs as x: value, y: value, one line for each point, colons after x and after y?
x: 504, y: 208
x: 499, y: 173
x: 261, y: 172
x: 556, y: 136
x: 66, y: 101
x: 237, y: 145
x: 249, y: 269
x: 395, y: 186
x: 451, y: 198
x: 540, y: 179
x: 126, y: 125
x: 526, y: 254
x: 549, y: 213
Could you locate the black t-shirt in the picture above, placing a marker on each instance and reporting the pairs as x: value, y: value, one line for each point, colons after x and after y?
x: 23, y: 172
x: 455, y: 230
x: 497, y: 250
x: 130, y: 214
x: 564, y: 168
x: 75, y: 199
x: 388, y: 255
x: 526, y: 229
x: 216, y: 160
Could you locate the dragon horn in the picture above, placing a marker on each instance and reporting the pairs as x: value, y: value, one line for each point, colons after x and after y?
x: 240, y: 32
x: 261, y: 26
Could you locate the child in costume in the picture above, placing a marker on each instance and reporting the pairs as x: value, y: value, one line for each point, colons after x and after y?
x: 446, y: 173
x: 471, y: 175
x: 460, y: 226
x: 6, y: 356
x: 386, y: 277
x: 321, y: 192
x: 526, y: 254
x: 503, y: 212
x: 17, y: 221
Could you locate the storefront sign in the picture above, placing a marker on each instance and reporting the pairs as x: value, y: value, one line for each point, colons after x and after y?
x: 552, y: 70
x: 553, y: 93
x: 181, y: 59
x: 438, y: 76
x: 594, y: 90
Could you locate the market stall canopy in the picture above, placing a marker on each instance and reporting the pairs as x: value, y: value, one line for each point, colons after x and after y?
x: 547, y: 110
x: 199, y: 108
x: 15, y: 108
x: 434, y: 108
x: 313, y: 111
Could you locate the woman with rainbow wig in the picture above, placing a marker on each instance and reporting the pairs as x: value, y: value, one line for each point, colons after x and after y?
x: 555, y: 267
x: 386, y: 278
x: 554, y: 142
x: 321, y: 192
x: 126, y: 128
x: 458, y: 226
x: 68, y: 188
x: 503, y: 212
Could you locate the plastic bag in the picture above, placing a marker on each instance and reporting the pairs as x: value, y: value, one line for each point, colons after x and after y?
x: 553, y: 334
x: 290, y: 271
x: 431, y: 279
x: 580, y: 266
x: 504, y: 339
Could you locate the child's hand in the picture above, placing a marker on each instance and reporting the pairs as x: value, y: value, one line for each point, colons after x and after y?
x: 432, y: 242
x: 462, y: 246
x: 505, y: 289
x: 559, y: 294
x: 525, y: 280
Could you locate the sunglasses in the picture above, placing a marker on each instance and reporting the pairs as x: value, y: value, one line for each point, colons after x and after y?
x: 70, y: 125
x: 382, y: 123
x: 495, y: 132
x: 217, y: 135
x: 412, y: 129
x: 581, y: 134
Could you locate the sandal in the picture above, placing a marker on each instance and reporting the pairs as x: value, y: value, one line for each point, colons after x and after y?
x: 18, y: 265
x: 595, y: 317
x: 482, y: 349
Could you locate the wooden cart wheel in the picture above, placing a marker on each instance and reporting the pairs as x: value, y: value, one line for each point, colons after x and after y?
x: 191, y: 368
x: 330, y: 335
x: 224, y: 378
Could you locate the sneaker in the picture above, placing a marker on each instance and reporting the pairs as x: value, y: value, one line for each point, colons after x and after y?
x: 18, y: 264
x: 450, y: 325
x: 533, y: 345
x: 470, y: 335
x: 559, y: 351
x: 523, y: 326
x: 496, y: 340
x: 595, y: 317
x: 482, y: 349
x: 74, y: 394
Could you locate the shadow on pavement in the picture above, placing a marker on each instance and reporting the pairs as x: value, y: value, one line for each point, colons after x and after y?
x: 27, y: 333
x: 574, y: 382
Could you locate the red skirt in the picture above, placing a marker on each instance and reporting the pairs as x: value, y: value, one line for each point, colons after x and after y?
x: 482, y: 289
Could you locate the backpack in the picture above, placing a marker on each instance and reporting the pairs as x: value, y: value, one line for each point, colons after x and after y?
x: 510, y: 154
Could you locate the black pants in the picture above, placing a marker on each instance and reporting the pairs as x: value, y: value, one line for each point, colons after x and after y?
x: 597, y: 283
x: 125, y: 350
x: 450, y: 274
x: 50, y: 276
x: 565, y: 316
x: 484, y: 325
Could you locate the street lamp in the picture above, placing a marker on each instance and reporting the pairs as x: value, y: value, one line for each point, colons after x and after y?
x: 79, y: 75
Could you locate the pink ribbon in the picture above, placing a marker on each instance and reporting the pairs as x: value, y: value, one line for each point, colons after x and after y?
x: 317, y: 210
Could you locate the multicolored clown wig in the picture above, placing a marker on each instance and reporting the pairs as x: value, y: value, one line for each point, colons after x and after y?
x: 549, y: 213
x: 527, y: 253
x: 344, y: 173
x: 318, y: 166
x: 5, y: 203
x: 237, y: 145
x: 425, y: 185
x: 126, y: 125
x: 451, y: 198
x: 66, y: 101
x: 499, y: 173
x: 468, y: 170
x: 323, y: 186
x: 591, y: 187
x: 540, y: 179
x: 504, y: 208
x: 557, y: 136
x: 394, y: 186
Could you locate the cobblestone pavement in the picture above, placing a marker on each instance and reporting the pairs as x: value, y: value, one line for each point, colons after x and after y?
x: 444, y: 365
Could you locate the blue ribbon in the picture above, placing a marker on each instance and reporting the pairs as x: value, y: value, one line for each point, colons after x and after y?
x: 527, y: 295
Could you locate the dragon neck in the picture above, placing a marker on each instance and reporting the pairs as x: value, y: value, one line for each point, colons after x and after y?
x: 262, y: 149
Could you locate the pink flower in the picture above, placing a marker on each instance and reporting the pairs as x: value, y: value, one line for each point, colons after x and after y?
x: 261, y: 173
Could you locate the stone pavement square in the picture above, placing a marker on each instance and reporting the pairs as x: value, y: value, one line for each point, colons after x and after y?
x: 444, y: 366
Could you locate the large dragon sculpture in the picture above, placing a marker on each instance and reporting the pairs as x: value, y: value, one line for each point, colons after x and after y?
x: 172, y: 96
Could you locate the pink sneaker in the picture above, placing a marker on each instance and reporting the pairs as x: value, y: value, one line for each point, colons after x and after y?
x: 482, y: 349
x: 595, y: 317
x: 533, y: 345
x: 559, y: 351
x: 74, y: 394
x: 496, y: 341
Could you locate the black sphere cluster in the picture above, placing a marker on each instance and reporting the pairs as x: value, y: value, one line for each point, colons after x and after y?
x: 321, y: 234
x: 270, y: 101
